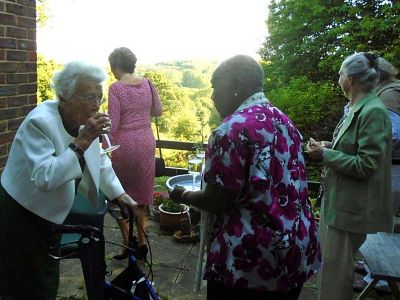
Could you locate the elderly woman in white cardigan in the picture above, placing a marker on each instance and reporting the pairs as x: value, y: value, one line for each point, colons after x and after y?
x: 53, y: 156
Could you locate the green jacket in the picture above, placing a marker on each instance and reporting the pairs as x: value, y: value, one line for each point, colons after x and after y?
x: 358, y: 178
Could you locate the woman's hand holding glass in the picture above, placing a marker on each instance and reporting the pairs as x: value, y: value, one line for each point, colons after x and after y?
x: 95, y: 126
x: 195, y: 165
x: 106, y: 129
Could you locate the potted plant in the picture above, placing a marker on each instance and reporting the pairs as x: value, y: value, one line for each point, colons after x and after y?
x: 171, y: 214
x: 158, y: 199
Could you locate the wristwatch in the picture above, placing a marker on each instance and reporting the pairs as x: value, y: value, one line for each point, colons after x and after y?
x: 75, y: 148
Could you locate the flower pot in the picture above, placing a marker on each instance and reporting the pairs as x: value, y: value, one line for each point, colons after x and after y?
x: 172, y: 220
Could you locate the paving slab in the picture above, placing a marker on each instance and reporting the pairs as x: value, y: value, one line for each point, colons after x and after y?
x: 174, y: 268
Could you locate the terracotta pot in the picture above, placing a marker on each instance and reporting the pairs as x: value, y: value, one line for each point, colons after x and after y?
x: 171, y: 220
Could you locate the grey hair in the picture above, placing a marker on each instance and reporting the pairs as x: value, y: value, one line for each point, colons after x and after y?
x: 245, y: 68
x: 386, y: 70
x: 65, y: 81
x: 362, y: 68
x: 124, y: 59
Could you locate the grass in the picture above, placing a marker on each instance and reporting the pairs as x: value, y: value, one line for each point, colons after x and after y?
x: 160, y: 184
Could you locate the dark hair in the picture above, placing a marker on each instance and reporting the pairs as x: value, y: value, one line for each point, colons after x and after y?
x: 244, y: 67
x: 372, y: 59
x: 123, y: 58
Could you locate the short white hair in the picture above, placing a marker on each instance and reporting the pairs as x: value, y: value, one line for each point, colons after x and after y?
x: 66, y: 80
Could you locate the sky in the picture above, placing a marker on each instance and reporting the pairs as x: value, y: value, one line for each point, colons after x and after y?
x: 155, y: 30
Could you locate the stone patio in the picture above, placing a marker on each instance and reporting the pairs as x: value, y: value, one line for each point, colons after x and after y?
x: 174, y: 267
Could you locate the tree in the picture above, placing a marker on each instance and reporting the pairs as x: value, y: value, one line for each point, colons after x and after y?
x: 186, y: 126
x: 205, y: 112
x: 193, y: 79
x: 308, y: 41
x: 45, y: 72
x: 310, y: 105
x: 186, y: 111
x: 311, y: 37
x: 42, y: 8
x: 171, y: 98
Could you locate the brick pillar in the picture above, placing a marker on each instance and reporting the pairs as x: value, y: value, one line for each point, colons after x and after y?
x: 17, y: 68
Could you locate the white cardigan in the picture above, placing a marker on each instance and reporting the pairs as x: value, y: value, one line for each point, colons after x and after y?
x: 41, y: 169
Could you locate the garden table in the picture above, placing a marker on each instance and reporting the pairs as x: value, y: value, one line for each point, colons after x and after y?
x: 381, y: 252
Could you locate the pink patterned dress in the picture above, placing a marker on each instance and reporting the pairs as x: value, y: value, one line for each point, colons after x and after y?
x: 269, y: 241
x: 131, y: 108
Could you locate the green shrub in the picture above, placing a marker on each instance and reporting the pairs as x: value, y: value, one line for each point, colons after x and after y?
x: 313, y: 107
x: 171, y: 206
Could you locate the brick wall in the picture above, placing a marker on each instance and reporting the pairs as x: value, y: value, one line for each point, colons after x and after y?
x: 17, y: 68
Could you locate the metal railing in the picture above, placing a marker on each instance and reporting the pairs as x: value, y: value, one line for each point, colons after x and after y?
x: 190, y: 146
x: 176, y: 145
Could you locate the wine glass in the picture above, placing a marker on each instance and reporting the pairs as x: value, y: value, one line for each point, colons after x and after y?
x: 194, y: 167
x: 200, y: 153
x: 109, y: 145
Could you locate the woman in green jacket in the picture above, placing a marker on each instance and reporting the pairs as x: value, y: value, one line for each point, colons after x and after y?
x: 357, y: 184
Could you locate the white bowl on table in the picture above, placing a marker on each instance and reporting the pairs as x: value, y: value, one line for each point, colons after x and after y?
x: 185, y: 180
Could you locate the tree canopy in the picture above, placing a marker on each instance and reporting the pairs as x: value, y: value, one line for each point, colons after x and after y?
x: 301, y: 58
x: 45, y: 72
x: 42, y: 8
x: 308, y: 41
x: 188, y: 112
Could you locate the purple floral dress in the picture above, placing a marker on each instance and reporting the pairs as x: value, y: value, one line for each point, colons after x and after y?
x: 269, y: 240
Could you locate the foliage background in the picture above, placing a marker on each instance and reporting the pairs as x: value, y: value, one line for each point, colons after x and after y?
x: 301, y: 58
x: 185, y: 92
x: 308, y: 41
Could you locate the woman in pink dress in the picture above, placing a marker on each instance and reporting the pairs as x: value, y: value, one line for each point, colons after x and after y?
x: 132, y: 101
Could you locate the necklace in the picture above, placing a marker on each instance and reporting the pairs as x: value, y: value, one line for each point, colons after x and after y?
x: 131, y: 79
x: 126, y: 76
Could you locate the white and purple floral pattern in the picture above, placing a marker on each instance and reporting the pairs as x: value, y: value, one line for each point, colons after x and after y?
x: 269, y: 241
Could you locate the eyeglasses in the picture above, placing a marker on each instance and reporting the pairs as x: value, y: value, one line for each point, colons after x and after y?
x: 92, y: 99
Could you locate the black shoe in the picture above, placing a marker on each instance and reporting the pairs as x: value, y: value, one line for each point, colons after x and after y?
x: 142, y: 252
x: 359, y: 285
x: 121, y: 256
x: 359, y: 267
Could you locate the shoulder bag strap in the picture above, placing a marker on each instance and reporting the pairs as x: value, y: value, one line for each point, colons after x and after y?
x: 155, y: 118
